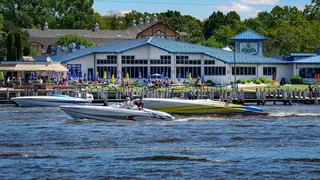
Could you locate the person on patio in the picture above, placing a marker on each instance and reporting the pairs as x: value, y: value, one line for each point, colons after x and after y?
x: 8, y: 81
x: 274, y: 76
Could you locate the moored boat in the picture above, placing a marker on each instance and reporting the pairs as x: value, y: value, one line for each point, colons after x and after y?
x: 200, y: 107
x: 53, y: 100
x: 114, y: 113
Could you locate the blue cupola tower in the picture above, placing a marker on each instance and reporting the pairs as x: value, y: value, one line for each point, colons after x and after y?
x: 249, y: 42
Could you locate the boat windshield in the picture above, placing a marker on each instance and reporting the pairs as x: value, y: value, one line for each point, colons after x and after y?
x: 59, y: 95
x: 125, y: 106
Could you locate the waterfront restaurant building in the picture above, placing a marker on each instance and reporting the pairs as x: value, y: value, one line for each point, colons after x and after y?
x: 152, y: 55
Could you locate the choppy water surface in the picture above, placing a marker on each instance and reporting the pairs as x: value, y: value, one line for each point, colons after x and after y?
x: 46, y: 143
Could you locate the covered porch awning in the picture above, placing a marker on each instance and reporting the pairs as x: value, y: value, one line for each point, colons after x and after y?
x: 33, y: 67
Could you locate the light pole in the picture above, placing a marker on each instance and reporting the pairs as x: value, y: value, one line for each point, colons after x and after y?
x: 235, y: 69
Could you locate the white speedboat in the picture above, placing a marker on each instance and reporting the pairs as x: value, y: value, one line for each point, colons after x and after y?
x: 200, y: 107
x: 114, y: 112
x: 52, y: 100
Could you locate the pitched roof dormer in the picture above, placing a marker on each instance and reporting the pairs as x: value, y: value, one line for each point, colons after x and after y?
x: 249, y: 42
x: 249, y: 35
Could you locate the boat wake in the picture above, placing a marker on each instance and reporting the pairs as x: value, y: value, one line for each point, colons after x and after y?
x: 292, y: 114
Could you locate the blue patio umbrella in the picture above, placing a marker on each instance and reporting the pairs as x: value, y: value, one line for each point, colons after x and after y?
x: 74, y: 74
x: 187, y: 74
x: 69, y: 76
x: 85, y: 77
x: 162, y: 74
x: 202, y: 79
x: 140, y: 76
x: 149, y: 78
x: 33, y: 77
x: 80, y: 74
x: 109, y: 75
x: 167, y: 75
x: 89, y: 77
x: 179, y: 76
x: 122, y: 75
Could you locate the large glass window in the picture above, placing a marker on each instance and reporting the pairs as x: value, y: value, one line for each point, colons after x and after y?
x: 215, y: 70
x: 158, y: 34
x: 209, y: 62
x: 245, y: 71
x: 184, y: 71
x: 109, y: 60
x: 181, y: 59
x: 269, y: 71
x: 134, y: 72
x: 132, y: 60
x: 308, y: 72
x: 162, y: 60
x: 111, y: 70
x: 160, y: 70
x: 186, y: 60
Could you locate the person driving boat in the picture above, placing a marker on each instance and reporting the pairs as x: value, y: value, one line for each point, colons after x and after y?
x: 139, y: 103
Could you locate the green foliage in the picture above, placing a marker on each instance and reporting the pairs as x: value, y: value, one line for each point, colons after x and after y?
x: 224, y: 33
x: 239, y: 81
x: 18, y: 45
x: 11, y: 54
x: 287, y: 28
x: 3, y: 48
x: 34, y: 52
x: 296, y: 80
x: 256, y: 81
x: 212, y: 42
x: 1, y: 22
x: 263, y: 80
x: 243, y: 82
x: 249, y: 81
x: 78, y: 40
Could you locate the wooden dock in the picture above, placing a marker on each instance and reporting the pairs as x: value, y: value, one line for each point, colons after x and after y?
x: 259, y: 97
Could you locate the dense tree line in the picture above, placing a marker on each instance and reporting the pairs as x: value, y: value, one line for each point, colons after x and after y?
x: 287, y: 28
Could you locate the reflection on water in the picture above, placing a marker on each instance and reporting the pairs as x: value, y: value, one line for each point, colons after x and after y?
x: 45, y: 142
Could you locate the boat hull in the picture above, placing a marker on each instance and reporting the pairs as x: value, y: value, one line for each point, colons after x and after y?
x: 200, y: 107
x: 109, y: 113
x: 47, y: 101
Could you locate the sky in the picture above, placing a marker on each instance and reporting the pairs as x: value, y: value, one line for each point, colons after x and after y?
x: 200, y: 9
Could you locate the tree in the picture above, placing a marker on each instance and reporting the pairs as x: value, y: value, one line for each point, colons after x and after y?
x: 223, y: 34
x: 233, y: 18
x: 78, y: 40
x: 18, y: 45
x: 74, y: 14
x: 212, y: 42
x: 312, y: 11
x: 2, y: 40
x: 173, y: 18
x: 11, y: 54
x: 215, y: 20
x: 193, y: 27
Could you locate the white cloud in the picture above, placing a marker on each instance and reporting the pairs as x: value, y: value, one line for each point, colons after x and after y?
x: 260, y: 2
x: 115, y: 12
x: 123, y: 12
x: 238, y: 7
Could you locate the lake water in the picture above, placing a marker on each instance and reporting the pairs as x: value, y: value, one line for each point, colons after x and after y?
x: 46, y: 143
